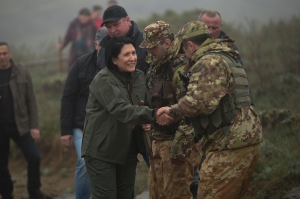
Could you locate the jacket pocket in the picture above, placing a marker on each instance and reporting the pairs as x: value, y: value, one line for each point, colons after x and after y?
x: 85, y: 139
x: 104, y: 132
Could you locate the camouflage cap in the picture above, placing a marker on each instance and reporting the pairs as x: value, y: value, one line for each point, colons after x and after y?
x: 154, y: 33
x: 192, y: 29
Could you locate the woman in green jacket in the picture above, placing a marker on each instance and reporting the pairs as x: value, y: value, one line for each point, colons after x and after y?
x: 109, y: 144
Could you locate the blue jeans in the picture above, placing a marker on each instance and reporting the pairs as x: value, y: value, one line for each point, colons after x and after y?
x: 82, y: 180
x: 31, y: 154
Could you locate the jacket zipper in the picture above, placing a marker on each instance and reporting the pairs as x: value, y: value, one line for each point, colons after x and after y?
x: 130, y: 98
x: 129, y: 93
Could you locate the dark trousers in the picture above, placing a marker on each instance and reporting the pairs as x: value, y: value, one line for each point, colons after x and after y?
x: 31, y: 154
x: 111, y: 181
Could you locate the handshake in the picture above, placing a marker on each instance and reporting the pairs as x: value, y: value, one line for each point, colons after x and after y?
x: 163, y: 116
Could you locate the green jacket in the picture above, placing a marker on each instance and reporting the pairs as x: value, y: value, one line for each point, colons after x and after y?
x: 25, y: 106
x: 110, y: 116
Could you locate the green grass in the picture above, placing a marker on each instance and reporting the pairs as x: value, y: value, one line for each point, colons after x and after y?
x: 278, y: 168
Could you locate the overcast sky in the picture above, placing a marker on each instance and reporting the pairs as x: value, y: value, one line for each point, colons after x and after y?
x: 33, y: 21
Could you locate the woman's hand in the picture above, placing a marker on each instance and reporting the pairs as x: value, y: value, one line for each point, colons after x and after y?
x: 146, y: 127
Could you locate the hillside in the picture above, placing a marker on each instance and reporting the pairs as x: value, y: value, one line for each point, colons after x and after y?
x: 272, y: 60
x: 47, y: 20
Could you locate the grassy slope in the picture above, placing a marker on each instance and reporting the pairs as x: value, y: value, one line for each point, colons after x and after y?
x: 271, y: 58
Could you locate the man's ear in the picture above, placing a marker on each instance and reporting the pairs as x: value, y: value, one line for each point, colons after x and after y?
x: 128, y: 20
x: 167, y: 43
x: 191, y: 45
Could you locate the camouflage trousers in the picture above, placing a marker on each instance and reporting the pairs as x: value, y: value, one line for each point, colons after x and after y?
x: 226, y: 174
x: 168, y: 180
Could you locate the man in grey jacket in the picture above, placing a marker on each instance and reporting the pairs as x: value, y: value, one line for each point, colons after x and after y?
x: 18, y: 121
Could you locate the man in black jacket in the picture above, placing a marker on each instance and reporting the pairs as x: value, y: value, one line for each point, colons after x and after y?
x: 213, y: 21
x: 73, y: 103
x: 117, y: 22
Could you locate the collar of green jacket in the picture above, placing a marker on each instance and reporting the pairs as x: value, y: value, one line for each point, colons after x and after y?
x: 125, y: 77
x: 214, y: 45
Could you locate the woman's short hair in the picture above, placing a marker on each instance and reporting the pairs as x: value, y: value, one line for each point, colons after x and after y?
x: 113, y: 49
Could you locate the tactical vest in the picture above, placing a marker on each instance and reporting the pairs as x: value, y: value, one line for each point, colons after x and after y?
x: 239, y: 97
x: 162, y: 92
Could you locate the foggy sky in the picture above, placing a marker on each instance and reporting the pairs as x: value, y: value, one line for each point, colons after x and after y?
x: 33, y: 21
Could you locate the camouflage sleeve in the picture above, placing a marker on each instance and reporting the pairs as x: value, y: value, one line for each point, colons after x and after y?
x: 177, y: 82
x: 178, y: 87
x: 208, y: 84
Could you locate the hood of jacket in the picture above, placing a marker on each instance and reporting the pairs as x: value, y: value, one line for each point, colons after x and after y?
x: 215, y: 45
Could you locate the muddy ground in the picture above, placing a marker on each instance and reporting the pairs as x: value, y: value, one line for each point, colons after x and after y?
x: 57, y: 171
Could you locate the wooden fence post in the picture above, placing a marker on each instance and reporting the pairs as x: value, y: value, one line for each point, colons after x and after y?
x: 60, y: 56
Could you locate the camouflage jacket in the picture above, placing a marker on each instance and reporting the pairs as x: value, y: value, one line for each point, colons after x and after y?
x: 182, y: 138
x: 210, y: 80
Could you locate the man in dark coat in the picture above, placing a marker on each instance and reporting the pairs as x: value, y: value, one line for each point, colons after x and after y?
x: 117, y: 22
x: 19, y: 122
x: 73, y: 103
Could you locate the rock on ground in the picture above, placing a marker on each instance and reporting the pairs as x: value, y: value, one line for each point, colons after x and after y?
x: 292, y: 194
x: 143, y: 195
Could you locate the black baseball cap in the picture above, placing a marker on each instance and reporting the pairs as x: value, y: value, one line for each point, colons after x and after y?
x: 113, y: 13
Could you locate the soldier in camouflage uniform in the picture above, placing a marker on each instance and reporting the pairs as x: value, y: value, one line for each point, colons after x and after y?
x: 174, y: 156
x: 218, y: 102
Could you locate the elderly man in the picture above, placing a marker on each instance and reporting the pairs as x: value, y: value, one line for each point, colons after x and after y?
x: 213, y: 21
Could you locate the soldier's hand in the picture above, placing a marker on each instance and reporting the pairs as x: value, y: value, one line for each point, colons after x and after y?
x: 35, y: 134
x: 164, y: 119
x: 162, y: 110
x: 67, y: 140
x: 146, y: 127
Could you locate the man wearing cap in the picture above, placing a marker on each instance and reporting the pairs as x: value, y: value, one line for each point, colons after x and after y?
x: 73, y: 103
x: 117, y: 22
x: 218, y: 102
x: 174, y: 155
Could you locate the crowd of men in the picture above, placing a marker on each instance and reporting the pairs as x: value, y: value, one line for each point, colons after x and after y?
x: 205, y: 142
